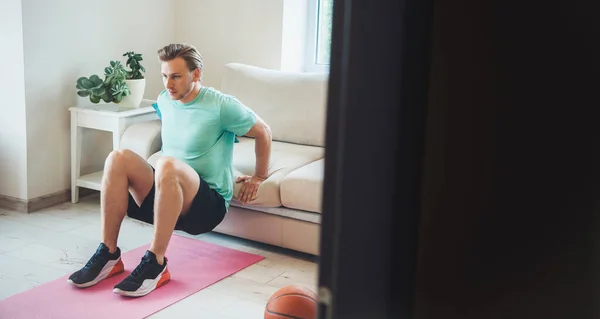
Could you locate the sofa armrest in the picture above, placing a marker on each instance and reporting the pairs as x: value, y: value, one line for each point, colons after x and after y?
x: 143, y: 138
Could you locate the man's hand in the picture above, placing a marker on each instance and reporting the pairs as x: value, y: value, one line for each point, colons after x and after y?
x: 249, y: 187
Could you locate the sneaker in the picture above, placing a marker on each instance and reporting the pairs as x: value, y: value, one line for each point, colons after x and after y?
x: 101, y: 265
x: 146, y: 277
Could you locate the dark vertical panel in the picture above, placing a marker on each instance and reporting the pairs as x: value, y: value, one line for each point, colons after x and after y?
x: 510, y: 214
x: 375, y: 128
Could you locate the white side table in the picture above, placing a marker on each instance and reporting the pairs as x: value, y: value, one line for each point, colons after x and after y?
x: 105, y: 117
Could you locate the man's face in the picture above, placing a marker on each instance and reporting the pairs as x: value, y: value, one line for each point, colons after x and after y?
x: 177, y: 78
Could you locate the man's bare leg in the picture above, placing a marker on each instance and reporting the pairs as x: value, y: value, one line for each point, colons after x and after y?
x: 124, y: 171
x: 176, y: 186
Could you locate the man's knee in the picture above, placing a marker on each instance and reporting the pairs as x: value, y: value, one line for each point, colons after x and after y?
x: 166, y: 170
x: 116, y: 161
x: 119, y: 156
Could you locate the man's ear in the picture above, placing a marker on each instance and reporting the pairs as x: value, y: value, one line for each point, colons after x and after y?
x: 196, y: 75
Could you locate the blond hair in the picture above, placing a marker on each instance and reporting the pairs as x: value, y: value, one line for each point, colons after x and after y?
x: 189, y: 53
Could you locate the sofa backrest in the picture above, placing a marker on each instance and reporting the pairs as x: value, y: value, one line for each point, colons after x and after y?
x: 292, y: 104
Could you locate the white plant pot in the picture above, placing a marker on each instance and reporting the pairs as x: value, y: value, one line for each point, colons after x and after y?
x: 137, y: 88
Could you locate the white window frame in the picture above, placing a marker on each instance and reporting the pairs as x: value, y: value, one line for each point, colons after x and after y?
x: 310, y: 64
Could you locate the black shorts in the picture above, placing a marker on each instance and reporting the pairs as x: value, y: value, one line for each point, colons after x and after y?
x: 206, y: 212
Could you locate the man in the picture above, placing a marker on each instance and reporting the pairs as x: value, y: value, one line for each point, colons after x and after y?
x: 192, y: 184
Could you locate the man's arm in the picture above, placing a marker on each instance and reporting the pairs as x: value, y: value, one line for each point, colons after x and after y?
x: 262, y: 148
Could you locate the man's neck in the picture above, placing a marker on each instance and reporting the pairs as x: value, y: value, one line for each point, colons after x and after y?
x: 193, y: 93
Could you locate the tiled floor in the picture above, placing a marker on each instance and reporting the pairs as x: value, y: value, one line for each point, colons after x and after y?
x: 42, y: 246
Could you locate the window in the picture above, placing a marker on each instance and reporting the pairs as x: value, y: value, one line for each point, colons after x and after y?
x: 320, y: 13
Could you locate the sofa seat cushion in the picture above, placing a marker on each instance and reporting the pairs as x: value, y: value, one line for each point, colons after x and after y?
x: 285, y: 158
x: 303, y: 188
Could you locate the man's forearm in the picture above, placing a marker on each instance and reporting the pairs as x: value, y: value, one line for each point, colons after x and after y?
x: 262, y: 149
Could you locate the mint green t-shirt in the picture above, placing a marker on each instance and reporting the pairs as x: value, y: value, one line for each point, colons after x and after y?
x: 202, y: 133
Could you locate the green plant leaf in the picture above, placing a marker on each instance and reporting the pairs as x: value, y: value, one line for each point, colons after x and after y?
x: 98, y: 91
x: 118, y: 99
x: 83, y: 93
x: 97, y: 81
x: 116, y: 89
x: 112, y: 63
x: 87, y: 84
x: 107, y: 97
x: 80, y: 82
x: 94, y: 99
x: 142, y: 68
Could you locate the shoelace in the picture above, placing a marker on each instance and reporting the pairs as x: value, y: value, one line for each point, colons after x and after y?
x: 93, y: 260
x: 139, y: 270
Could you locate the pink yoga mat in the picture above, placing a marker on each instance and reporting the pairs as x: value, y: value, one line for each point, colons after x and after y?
x: 193, y: 265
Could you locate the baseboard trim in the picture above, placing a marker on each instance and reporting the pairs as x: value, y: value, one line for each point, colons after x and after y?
x: 29, y: 206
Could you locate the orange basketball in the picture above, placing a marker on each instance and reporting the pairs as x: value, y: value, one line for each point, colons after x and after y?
x: 292, y: 302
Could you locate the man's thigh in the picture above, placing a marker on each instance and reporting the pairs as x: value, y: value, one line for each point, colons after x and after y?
x: 169, y: 169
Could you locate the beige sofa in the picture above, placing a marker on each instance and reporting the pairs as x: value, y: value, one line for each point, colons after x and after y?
x: 287, y: 211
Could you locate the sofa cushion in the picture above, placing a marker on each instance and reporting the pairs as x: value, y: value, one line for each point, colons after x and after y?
x: 302, y: 189
x: 285, y: 158
x: 154, y: 158
x: 293, y: 104
x: 142, y: 138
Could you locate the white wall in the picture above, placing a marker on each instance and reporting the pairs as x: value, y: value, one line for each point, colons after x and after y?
x: 245, y: 31
x: 13, y: 147
x: 66, y: 39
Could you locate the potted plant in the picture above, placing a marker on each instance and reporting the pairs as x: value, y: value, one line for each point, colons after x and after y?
x: 119, y: 85
x: 112, y: 89
x: 135, y: 79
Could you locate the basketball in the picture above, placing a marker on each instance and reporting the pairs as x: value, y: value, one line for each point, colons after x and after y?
x: 292, y: 302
